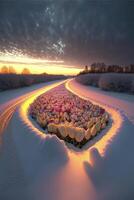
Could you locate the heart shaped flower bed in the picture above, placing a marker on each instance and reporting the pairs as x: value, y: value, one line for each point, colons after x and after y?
x: 71, y: 118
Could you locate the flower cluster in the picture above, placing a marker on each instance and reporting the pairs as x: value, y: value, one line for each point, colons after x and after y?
x: 68, y: 116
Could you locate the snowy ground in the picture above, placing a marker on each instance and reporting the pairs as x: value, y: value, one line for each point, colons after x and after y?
x: 34, y: 166
x: 9, y: 96
x: 112, y: 175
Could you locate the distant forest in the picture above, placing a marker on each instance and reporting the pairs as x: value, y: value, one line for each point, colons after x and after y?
x: 11, y: 70
x: 103, y: 68
x: 9, y: 79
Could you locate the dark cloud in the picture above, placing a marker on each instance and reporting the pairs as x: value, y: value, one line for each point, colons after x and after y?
x: 80, y: 31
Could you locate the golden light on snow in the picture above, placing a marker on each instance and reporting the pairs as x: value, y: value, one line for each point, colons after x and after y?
x: 84, y: 154
x: 107, y: 138
x: 24, y: 107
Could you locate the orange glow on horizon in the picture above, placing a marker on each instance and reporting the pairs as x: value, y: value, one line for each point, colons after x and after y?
x: 46, y: 68
x: 37, y: 66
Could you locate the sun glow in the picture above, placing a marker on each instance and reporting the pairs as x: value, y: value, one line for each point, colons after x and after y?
x: 37, y: 66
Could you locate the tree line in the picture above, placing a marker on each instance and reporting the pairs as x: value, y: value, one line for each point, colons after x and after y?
x: 11, y: 70
x: 103, y: 68
x: 9, y: 79
x: 12, y: 81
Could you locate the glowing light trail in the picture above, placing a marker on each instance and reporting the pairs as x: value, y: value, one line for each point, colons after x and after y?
x: 105, y: 140
x: 101, y: 145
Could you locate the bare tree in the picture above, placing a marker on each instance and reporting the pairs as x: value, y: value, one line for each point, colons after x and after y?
x: 12, y: 70
x: 26, y: 71
x: 4, y: 70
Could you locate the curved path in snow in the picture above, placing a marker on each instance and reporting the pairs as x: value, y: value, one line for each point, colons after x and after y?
x: 120, y: 101
x: 107, y: 135
x: 23, y: 170
x: 112, y: 175
x: 10, y: 100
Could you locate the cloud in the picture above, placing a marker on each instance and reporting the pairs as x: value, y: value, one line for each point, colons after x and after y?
x: 88, y: 30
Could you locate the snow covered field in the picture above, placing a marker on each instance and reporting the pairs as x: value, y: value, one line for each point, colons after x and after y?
x: 34, y: 166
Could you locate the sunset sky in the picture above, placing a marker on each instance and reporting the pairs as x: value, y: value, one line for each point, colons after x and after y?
x: 38, y: 66
x: 77, y: 32
x: 49, y: 68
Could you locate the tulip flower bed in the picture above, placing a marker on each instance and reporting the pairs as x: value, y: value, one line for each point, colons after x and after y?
x: 71, y: 118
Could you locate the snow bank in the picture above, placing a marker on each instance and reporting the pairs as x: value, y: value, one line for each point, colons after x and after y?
x: 37, y: 151
x: 27, y: 159
x: 89, y: 79
x: 111, y: 82
x: 115, y: 115
x: 11, y: 81
x: 35, y: 166
x: 116, y: 82
x: 112, y: 175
